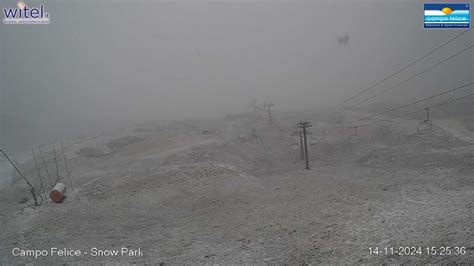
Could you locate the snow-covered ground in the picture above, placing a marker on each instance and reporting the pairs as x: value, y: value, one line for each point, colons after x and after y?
x: 182, y: 196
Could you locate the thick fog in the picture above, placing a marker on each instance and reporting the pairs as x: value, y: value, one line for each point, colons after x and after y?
x: 101, y: 63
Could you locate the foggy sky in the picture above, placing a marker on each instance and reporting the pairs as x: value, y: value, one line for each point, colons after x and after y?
x: 100, y: 62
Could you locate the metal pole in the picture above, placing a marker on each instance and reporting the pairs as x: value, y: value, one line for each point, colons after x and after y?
x: 56, y: 163
x: 45, y: 166
x: 301, y: 145
x: 269, y: 116
x: 303, y: 125
x: 28, y: 184
x: 39, y: 175
x: 65, y: 162
x: 305, y: 149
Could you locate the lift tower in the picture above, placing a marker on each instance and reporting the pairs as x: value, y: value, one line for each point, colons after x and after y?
x: 304, y: 125
x: 267, y: 106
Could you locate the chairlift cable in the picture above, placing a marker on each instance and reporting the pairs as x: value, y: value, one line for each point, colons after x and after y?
x: 415, y: 102
x: 421, y: 110
x: 437, y: 105
x: 402, y: 69
x: 412, y: 77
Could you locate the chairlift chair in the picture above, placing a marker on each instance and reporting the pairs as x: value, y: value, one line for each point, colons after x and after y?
x: 296, y: 138
x: 354, y: 137
x: 425, y: 126
x: 312, y: 140
x: 323, y: 135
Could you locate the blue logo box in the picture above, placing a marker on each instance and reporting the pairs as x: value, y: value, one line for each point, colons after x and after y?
x: 447, y: 15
